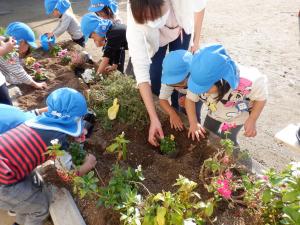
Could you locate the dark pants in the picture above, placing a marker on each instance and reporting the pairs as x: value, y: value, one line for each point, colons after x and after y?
x: 30, y: 202
x: 156, y: 65
x: 80, y: 41
x: 4, y: 96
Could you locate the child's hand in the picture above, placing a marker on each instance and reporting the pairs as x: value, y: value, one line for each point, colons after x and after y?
x: 176, y: 122
x: 49, y: 35
x: 250, y: 127
x: 89, y: 163
x: 9, y: 45
x: 196, y: 130
x: 41, y: 85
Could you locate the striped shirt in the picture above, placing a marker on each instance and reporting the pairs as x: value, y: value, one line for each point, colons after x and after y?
x: 15, y: 73
x: 21, y: 151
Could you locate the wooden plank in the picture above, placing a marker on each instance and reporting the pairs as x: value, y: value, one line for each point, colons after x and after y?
x: 63, y: 209
x: 288, y: 136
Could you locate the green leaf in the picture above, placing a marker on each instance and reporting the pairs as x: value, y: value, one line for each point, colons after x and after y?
x: 112, y: 148
x: 209, y: 209
x: 267, y: 196
x: 160, y: 215
x: 290, y: 196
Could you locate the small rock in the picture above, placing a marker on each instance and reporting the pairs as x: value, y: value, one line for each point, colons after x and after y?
x: 291, y: 83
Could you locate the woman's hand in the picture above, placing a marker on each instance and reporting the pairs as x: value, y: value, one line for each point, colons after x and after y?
x: 155, y: 132
x: 41, y: 85
x: 111, y: 68
x: 196, y: 130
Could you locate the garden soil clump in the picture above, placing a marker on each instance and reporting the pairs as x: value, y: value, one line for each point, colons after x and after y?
x: 160, y: 171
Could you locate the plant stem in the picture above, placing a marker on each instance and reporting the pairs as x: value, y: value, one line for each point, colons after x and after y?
x: 142, y: 185
x: 99, y: 177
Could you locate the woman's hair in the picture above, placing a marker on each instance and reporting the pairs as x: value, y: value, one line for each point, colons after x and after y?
x: 108, y: 12
x: 145, y: 10
x: 223, y: 87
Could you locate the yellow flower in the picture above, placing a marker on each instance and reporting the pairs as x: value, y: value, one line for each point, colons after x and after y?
x: 29, y: 61
x: 172, y: 137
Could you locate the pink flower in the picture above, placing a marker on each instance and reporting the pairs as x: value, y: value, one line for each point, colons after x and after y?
x: 263, y: 177
x: 223, y: 183
x: 228, y: 175
x: 224, y: 192
x: 226, y: 127
x: 37, y: 66
x: 226, y: 159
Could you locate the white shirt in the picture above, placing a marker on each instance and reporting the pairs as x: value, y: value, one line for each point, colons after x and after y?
x: 144, y: 41
x: 235, y: 105
x: 2, y: 79
x: 69, y: 23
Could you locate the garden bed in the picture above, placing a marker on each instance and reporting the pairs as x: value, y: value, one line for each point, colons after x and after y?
x: 160, y: 171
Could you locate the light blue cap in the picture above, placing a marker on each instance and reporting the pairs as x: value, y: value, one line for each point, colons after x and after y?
x: 61, y: 5
x: 98, y: 5
x: 21, y: 32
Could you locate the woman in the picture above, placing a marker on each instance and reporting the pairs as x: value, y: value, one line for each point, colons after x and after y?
x: 153, y: 27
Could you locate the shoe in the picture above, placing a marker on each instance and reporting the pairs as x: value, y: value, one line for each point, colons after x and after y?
x: 11, y: 213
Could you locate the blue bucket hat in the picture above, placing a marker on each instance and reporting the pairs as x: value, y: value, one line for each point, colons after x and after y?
x: 13, y: 117
x: 61, y: 5
x: 176, y: 66
x: 91, y: 23
x: 209, y: 65
x: 98, y: 5
x: 66, y: 107
x: 21, y: 32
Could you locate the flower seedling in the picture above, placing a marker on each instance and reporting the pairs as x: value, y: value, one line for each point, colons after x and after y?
x: 54, y: 150
x: 119, y: 146
x: 168, y: 145
x: 86, y: 185
x: 64, y: 56
x: 55, y: 50
x: 88, y: 75
x: 29, y: 61
x: 38, y: 72
x: 78, y: 153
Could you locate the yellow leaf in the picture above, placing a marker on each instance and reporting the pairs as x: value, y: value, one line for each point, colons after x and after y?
x: 113, y: 110
x: 172, y: 137
x: 160, y: 215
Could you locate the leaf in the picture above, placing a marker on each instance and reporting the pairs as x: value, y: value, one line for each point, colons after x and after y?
x: 159, y: 197
x: 267, y: 196
x: 290, y: 196
x: 209, y: 209
x: 112, y: 148
x: 160, y: 215
x: 113, y: 110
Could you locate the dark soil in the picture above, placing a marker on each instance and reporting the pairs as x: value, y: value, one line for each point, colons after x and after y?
x: 159, y: 170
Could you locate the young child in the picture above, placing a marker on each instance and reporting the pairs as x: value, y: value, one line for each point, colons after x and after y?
x: 175, y: 73
x: 233, y: 93
x: 110, y: 36
x: 106, y: 9
x: 23, y: 148
x: 14, y: 71
x: 6, y: 46
x: 62, y: 9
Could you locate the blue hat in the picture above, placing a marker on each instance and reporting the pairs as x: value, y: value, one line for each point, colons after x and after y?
x: 176, y: 66
x: 209, y: 65
x: 21, y: 32
x: 66, y: 107
x: 91, y: 23
x: 61, y: 5
x: 98, y: 5
x: 13, y: 117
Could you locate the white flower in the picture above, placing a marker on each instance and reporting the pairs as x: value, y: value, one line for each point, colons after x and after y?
x: 296, y: 173
x: 88, y: 75
x: 54, y: 142
x: 295, y: 165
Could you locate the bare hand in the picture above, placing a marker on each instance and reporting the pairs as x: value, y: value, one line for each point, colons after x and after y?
x: 176, y: 122
x: 10, y: 45
x: 196, y: 130
x: 49, y: 35
x: 250, y: 128
x: 195, y: 47
x: 155, y: 133
x: 89, y: 163
x: 41, y: 85
x: 111, y: 68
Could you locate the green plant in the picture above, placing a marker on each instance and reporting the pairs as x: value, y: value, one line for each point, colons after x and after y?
x: 122, y: 188
x: 77, y: 152
x: 54, y: 150
x: 66, y: 60
x: 2, y: 31
x: 54, y: 50
x: 132, y: 110
x: 119, y: 146
x: 86, y: 185
x: 168, y: 144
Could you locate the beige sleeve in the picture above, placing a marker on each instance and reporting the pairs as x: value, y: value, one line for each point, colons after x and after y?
x: 165, y: 91
x: 259, y: 90
x: 192, y: 96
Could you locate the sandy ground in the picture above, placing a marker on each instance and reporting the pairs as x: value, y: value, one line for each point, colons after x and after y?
x: 263, y: 34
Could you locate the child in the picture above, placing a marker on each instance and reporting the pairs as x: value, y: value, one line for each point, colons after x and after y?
x: 106, y: 9
x: 6, y: 46
x: 111, y: 36
x: 68, y: 22
x: 14, y: 71
x: 234, y: 94
x: 175, y: 73
x: 23, y: 149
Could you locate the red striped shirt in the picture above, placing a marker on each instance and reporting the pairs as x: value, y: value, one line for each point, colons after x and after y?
x: 21, y: 151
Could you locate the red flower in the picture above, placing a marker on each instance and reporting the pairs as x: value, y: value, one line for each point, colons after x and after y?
x: 226, y: 127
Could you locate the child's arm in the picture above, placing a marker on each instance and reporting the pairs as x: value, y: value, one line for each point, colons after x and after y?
x: 175, y: 120
x: 103, y: 64
x: 195, y: 130
x: 89, y: 163
x: 250, y: 124
x: 6, y: 47
x: 62, y: 26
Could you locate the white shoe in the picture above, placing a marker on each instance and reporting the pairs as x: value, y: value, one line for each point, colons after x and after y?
x: 11, y: 213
